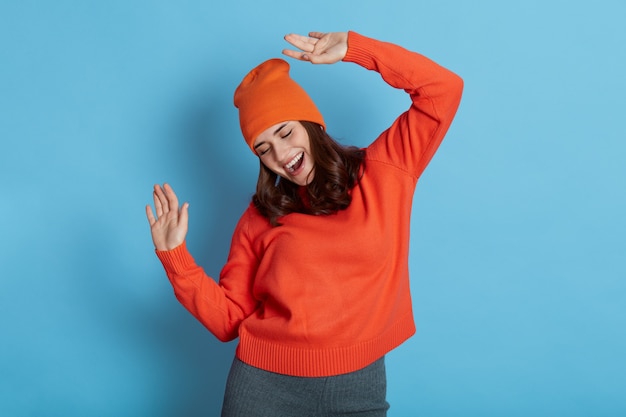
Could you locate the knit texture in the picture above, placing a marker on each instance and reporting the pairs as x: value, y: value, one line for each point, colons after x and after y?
x: 328, y: 295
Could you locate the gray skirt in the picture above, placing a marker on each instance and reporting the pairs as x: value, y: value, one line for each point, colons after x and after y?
x: 253, y: 392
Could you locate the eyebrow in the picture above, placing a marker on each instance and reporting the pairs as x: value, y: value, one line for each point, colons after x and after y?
x: 275, y: 133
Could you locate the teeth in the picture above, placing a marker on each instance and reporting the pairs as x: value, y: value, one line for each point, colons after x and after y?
x: 294, y: 161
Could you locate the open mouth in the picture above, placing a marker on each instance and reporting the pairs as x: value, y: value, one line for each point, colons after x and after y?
x: 295, y: 163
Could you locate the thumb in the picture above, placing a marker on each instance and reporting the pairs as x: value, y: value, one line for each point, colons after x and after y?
x: 184, y: 215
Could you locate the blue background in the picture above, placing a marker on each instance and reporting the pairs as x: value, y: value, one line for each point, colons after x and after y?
x: 517, y: 252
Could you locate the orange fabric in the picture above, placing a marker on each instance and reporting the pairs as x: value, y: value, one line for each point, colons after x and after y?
x: 267, y: 96
x: 327, y: 295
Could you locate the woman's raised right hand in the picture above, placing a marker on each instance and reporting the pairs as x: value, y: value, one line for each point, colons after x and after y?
x: 169, y: 227
x: 318, y: 47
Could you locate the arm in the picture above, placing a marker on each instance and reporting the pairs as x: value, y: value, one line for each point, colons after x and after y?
x: 435, y: 92
x: 219, y: 307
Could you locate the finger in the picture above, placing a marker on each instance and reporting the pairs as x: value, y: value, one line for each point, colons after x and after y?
x: 172, y: 200
x: 150, y: 215
x: 157, y: 203
x: 316, y: 35
x: 299, y: 39
x: 305, y: 43
x: 302, y: 56
x: 323, y: 44
x: 319, y: 57
x: 163, y: 202
x: 184, y: 215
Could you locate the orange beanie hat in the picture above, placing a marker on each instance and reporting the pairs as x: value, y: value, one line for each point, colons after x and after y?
x: 267, y: 96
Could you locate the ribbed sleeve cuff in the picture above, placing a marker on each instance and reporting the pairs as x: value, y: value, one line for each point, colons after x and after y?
x: 176, y: 260
x: 359, y: 48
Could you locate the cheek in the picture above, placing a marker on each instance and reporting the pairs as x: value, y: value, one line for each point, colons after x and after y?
x: 265, y: 160
x: 270, y: 164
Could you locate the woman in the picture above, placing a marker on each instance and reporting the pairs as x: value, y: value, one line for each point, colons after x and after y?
x: 316, y: 284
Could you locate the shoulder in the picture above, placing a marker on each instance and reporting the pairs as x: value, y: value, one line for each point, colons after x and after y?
x: 252, y: 222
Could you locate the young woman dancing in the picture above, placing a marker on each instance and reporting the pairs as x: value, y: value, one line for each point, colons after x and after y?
x: 316, y: 284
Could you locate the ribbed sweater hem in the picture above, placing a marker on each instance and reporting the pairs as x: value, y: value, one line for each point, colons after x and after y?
x: 319, y: 362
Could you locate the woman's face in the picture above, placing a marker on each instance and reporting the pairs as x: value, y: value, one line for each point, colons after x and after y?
x: 285, y: 149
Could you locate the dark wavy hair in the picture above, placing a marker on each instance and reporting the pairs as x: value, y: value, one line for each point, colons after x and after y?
x: 338, y: 169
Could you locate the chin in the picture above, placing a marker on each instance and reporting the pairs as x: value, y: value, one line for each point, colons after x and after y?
x: 309, y: 178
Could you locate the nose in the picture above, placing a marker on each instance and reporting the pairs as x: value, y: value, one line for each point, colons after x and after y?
x: 281, y: 152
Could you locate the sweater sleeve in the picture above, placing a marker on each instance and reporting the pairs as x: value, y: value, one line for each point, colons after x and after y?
x: 411, y: 141
x: 222, y: 306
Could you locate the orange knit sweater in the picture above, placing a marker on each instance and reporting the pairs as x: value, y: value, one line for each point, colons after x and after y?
x: 326, y: 295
